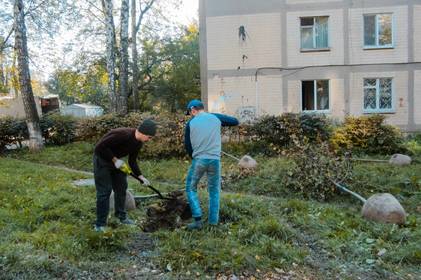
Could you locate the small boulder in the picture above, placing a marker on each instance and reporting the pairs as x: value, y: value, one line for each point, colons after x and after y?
x: 130, y: 202
x: 400, y: 160
x: 247, y: 162
x: 385, y: 208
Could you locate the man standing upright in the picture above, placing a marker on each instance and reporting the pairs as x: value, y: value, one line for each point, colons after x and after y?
x: 110, y: 171
x: 202, y: 140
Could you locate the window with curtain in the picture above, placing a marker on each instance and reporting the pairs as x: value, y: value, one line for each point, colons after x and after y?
x: 378, y: 95
x: 378, y: 30
x: 315, y: 95
x: 314, y: 32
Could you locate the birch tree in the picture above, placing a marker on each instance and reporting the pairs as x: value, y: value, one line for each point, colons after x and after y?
x: 21, y: 48
x: 107, y: 6
x: 124, y: 58
x: 135, y: 26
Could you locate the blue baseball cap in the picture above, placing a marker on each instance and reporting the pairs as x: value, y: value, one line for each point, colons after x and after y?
x: 194, y: 103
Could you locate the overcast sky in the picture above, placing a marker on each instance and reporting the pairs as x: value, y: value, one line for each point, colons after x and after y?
x: 52, y: 54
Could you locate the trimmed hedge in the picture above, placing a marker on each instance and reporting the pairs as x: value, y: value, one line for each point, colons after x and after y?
x: 169, y: 141
x: 12, y: 132
x: 280, y: 132
x: 268, y: 135
x: 57, y: 129
x: 368, y: 134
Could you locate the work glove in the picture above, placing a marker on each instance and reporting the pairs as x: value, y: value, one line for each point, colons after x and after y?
x: 119, y: 164
x: 144, y: 180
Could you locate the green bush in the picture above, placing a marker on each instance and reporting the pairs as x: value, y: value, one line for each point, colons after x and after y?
x: 12, y: 131
x: 92, y: 129
x: 290, y: 129
x: 169, y: 141
x: 367, y: 134
x: 57, y: 129
x: 314, y: 169
x: 316, y: 127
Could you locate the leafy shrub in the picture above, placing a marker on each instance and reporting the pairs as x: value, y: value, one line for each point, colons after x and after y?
x: 367, y: 134
x: 291, y: 129
x: 12, y: 131
x: 278, y: 131
x: 314, y: 169
x: 57, y: 129
x: 92, y: 129
x: 316, y: 127
x: 169, y: 141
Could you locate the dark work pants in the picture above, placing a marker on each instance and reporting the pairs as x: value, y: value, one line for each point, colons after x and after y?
x: 108, y: 178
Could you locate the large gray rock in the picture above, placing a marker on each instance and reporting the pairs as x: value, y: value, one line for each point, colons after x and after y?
x: 130, y: 202
x: 400, y: 160
x: 384, y: 207
x: 247, y: 162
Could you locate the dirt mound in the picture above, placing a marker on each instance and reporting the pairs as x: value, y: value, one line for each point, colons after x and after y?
x: 167, y: 214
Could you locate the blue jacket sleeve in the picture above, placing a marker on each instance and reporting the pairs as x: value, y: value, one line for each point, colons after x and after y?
x: 226, y: 120
x: 187, y: 141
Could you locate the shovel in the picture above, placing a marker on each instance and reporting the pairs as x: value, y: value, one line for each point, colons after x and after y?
x: 153, y: 189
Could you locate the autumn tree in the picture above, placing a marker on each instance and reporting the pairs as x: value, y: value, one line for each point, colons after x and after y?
x: 21, y: 48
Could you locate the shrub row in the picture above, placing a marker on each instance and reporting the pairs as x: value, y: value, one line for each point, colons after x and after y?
x: 269, y: 134
x: 367, y: 134
x: 56, y: 130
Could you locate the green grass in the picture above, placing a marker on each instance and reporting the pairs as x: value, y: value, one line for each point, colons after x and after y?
x: 45, y: 224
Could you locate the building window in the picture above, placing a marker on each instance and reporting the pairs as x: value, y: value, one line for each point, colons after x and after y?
x: 315, y: 95
x: 314, y: 33
x: 378, y: 31
x: 378, y: 95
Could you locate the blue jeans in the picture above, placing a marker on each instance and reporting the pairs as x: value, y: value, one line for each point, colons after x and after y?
x: 212, y: 168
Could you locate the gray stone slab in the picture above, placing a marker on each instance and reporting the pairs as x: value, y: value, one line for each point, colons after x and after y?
x: 84, y: 182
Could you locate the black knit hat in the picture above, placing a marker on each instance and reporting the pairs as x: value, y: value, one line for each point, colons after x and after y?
x: 147, y: 127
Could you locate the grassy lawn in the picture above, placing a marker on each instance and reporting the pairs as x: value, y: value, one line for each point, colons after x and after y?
x: 45, y: 225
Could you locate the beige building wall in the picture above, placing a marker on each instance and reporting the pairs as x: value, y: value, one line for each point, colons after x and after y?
x: 229, y: 94
x: 262, y: 46
x: 359, y: 55
x: 310, y: 1
x: 230, y: 84
x: 417, y: 33
x: 417, y: 97
x: 400, y: 93
x: 14, y: 107
x: 335, y: 35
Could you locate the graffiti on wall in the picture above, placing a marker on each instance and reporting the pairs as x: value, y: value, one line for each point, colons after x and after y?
x: 246, y: 113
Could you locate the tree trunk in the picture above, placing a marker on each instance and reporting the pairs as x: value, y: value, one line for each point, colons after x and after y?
x: 107, y: 6
x: 135, y: 69
x: 2, y: 72
x: 124, y: 57
x: 32, y: 118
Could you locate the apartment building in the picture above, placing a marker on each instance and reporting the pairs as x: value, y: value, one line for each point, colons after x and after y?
x: 338, y: 57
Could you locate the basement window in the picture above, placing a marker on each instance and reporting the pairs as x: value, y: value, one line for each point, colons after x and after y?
x: 378, y: 95
x: 315, y: 96
x: 314, y: 33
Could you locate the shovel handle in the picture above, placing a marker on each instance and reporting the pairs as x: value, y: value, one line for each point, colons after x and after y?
x: 152, y: 188
x: 231, y: 156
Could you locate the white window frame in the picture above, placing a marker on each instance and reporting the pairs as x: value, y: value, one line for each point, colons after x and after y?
x: 314, y: 48
x: 315, y: 97
x: 378, y: 110
x: 377, y: 46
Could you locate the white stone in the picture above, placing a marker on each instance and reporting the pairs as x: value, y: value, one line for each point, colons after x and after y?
x: 247, y: 162
x: 400, y: 160
x: 385, y: 208
x: 130, y: 202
